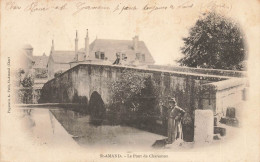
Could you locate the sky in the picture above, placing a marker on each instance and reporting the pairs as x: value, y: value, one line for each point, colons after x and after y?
x: 161, y: 29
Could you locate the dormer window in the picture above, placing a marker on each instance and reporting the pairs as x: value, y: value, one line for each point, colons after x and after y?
x: 143, y: 58
x: 102, y: 55
x: 137, y: 56
x: 97, y: 54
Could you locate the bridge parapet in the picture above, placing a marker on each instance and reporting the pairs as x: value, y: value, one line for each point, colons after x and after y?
x: 220, y: 72
x: 155, y: 69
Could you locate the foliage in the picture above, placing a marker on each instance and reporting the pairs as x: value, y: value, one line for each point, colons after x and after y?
x: 127, y: 86
x: 18, y: 76
x: 134, y: 92
x: 27, y: 82
x: 58, y: 73
x: 25, y: 93
x: 214, y: 42
x: 41, y: 73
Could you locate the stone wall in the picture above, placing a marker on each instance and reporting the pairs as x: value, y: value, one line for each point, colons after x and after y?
x: 217, y: 96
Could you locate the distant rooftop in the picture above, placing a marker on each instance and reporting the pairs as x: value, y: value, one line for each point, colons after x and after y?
x: 110, y: 47
x: 40, y: 61
x: 63, y: 56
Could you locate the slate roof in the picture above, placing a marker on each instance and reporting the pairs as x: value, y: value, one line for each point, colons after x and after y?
x: 62, y: 56
x: 111, y: 47
x: 40, y: 61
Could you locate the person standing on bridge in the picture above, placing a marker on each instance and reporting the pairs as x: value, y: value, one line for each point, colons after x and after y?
x: 117, y: 61
x: 175, y: 115
x: 124, y: 62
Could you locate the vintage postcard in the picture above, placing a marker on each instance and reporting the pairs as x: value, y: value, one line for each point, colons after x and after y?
x: 130, y: 80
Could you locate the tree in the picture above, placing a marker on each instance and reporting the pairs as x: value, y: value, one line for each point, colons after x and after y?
x: 214, y: 42
x: 41, y: 73
x: 26, y: 93
x: 27, y: 82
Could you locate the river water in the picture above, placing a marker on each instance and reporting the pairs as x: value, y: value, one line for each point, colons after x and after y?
x: 56, y: 134
x: 57, y: 126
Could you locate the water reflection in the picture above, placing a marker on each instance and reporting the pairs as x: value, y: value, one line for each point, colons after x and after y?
x: 67, y: 125
x: 28, y: 119
x: 85, y: 133
x: 44, y: 129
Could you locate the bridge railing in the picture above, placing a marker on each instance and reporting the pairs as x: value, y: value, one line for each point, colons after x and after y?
x: 221, y: 72
x: 208, y: 73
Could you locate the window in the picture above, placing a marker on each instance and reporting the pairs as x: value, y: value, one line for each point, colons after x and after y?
x: 138, y: 56
x: 97, y: 54
x: 102, y: 55
x: 143, y: 58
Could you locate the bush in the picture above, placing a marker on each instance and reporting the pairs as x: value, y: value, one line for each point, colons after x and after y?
x: 134, y: 96
x: 58, y: 73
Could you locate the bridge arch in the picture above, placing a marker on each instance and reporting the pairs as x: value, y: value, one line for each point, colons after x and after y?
x: 97, y: 108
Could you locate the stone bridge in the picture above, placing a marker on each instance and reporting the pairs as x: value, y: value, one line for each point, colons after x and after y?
x: 193, y: 88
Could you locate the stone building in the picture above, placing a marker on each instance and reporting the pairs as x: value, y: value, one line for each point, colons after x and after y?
x: 97, y: 52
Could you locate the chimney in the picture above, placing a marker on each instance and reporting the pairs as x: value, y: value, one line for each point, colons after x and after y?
x: 135, y: 42
x: 86, y: 46
x: 76, y: 46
